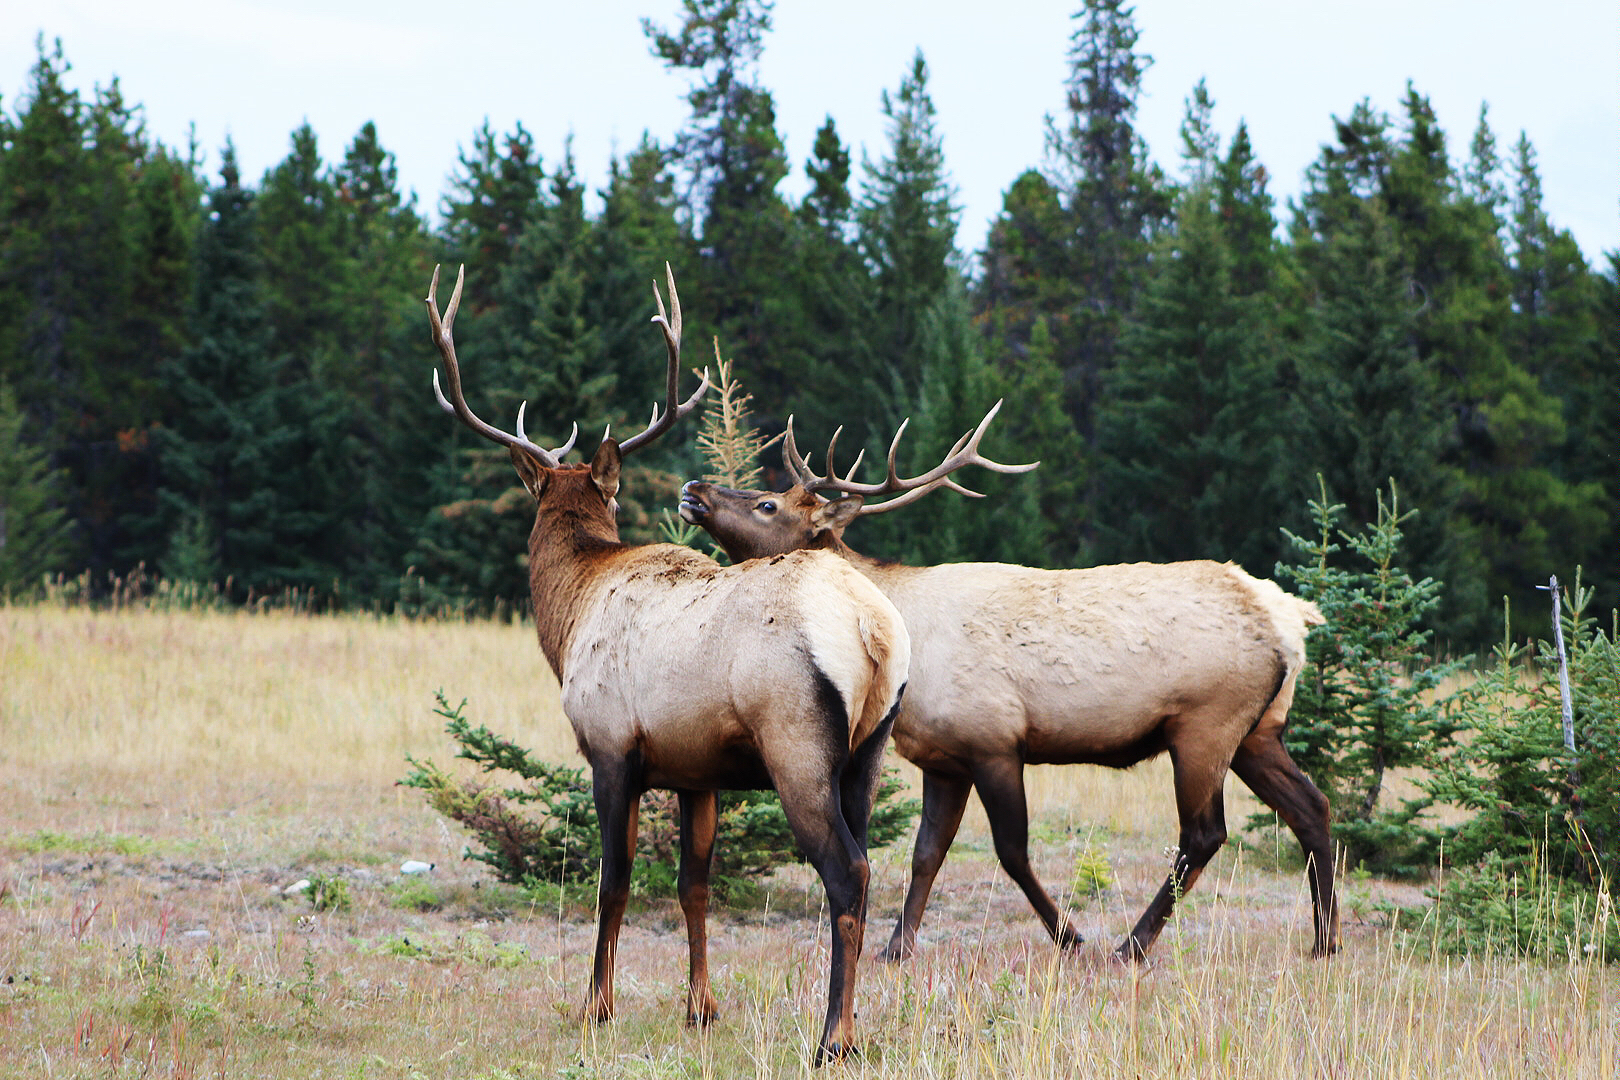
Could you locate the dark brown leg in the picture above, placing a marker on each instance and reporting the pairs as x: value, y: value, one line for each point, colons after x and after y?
x: 1000, y: 782
x: 698, y: 820
x: 944, y: 799
x: 1203, y: 831
x: 811, y: 800
x: 1263, y: 763
x: 617, y: 806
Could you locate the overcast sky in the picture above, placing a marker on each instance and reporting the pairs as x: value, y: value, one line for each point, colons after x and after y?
x: 429, y: 74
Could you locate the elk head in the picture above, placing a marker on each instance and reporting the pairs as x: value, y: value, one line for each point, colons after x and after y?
x: 816, y: 510
x: 572, y: 489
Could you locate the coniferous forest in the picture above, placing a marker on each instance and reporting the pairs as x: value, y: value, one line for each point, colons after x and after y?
x: 221, y: 379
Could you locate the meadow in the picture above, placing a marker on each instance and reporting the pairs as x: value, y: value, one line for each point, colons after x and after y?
x: 165, y: 776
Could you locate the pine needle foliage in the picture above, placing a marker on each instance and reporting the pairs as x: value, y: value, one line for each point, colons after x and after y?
x: 730, y: 443
x: 1365, y: 704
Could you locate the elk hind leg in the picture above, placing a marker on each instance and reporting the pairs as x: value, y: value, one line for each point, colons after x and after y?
x: 698, y: 820
x: 1203, y: 830
x: 812, y: 801
x: 944, y: 798
x: 617, y: 797
x: 1000, y: 782
x: 1262, y: 762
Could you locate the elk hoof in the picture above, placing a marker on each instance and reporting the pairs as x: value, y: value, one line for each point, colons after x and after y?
x: 830, y: 1052
x: 894, y: 953
x: 702, y: 1014
x: 1069, y: 938
x: 598, y: 1012
x: 1130, y: 952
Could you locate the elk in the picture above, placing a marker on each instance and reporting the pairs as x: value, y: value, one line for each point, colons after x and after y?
x: 1108, y: 665
x: 680, y: 674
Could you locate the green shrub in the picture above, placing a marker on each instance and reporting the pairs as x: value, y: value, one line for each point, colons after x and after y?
x: 1537, y: 808
x: 328, y: 893
x: 544, y: 829
x: 1493, y: 907
x: 1093, y: 876
x: 1365, y: 704
x: 414, y: 894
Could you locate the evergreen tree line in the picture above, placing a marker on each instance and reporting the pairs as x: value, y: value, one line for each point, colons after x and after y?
x: 227, y: 381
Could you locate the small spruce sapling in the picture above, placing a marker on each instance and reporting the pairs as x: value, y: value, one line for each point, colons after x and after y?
x: 1366, y: 702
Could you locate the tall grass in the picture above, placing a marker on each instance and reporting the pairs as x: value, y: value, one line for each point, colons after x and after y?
x: 164, y: 776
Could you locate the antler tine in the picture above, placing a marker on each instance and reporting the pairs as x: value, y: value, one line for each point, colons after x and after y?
x: 796, y: 465
x: 561, y: 450
x: 670, y: 323
x: 456, y: 402
x: 916, y: 493
x: 965, y: 452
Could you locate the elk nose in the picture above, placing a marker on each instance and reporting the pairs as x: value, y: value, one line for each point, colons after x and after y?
x: 692, y: 505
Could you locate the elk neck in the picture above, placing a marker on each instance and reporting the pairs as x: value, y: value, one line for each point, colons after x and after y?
x: 573, y: 544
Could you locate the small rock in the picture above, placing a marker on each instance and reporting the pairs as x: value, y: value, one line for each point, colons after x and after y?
x: 198, y: 935
x: 296, y: 887
x: 412, y: 866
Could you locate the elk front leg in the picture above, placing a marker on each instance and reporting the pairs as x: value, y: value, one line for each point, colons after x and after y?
x: 1203, y: 831
x: 1001, y: 788
x: 1263, y: 763
x: 617, y: 806
x: 944, y: 799
x: 698, y: 819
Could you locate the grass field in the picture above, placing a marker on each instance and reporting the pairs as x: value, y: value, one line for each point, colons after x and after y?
x: 164, y: 776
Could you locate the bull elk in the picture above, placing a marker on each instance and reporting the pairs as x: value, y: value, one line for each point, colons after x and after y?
x: 680, y: 674
x: 1108, y: 665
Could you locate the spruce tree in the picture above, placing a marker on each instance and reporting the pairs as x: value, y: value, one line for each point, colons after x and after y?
x: 235, y: 456
x: 833, y: 353
x: 1373, y: 398
x: 1193, y: 424
x: 87, y: 301
x: 1556, y: 334
x: 908, y: 220
x: 1114, y: 199
x: 33, y: 523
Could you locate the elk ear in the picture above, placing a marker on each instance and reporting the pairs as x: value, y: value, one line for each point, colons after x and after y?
x: 605, y: 468
x: 835, y: 515
x: 530, y: 471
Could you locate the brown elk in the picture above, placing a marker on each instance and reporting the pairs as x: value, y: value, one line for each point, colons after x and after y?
x: 680, y: 674
x: 1108, y: 665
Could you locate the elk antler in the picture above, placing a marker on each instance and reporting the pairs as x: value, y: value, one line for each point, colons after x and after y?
x: 965, y: 452
x: 671, y: 326
x: 456, y: 404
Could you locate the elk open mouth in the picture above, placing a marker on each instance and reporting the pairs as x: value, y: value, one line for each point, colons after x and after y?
x: 692, y: 509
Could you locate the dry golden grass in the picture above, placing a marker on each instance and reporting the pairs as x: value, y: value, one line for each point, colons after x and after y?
x: 163, y: 776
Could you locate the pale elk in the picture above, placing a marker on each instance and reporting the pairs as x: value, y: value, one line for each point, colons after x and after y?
x: 680, y: 674
x: 1108, y: 665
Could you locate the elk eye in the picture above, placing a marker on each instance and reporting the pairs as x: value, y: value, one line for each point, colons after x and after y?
x: 766, y: 507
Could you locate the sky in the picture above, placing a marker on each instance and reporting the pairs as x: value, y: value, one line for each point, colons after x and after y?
x: 430, y: 74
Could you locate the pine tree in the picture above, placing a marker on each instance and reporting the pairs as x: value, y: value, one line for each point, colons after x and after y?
x: 833, y: 355
x: 1192, y: 425
x: 733, y: 159
x: 33, y: 524
x: 235, y: 458
x: 1374, y: 399
x: 84, y: 315
x: 372, y: 382
x: 1113, y: 198
x: 908, y: 220
x: 1556, y: 335
x: 491, y: 197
